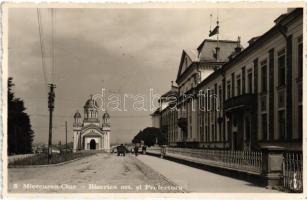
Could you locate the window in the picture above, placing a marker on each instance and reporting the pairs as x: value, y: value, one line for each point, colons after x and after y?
x: 250, y: 82
x: 281, y: 98
x: 300, y: 121
x: 281, y: 67
x: 209, y: 100
x: 233, y: 84
x: 190, y: 112
x: 263, y: 103
x: 282, y: 124
x: 213, y: 132
x: 201, y: 134
x: 206, y: 133
x: 300, y: 56
x: 300, y: 92
x: 220, y: 97
x: 264, y: 76
x: 238, y: 85
x: 228, y: 89
x: 243, y: 80
x: 264, y: 126
x: 202, y: 102
x: 220, y: 132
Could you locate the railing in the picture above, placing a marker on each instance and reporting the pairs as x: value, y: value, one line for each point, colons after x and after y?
x: 238, y: 160
x: 14, y: 158
x: 293, y: 172
x: 154, y: 150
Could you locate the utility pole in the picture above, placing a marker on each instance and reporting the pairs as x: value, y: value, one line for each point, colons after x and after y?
x: 51, y: 96
x: 66, y: 135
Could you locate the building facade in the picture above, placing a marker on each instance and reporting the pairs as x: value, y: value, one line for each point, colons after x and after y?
x: 237, y: 99
x: 90, y: 134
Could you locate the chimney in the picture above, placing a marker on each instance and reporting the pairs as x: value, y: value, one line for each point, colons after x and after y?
x: 238, y: 48
x: 217, y: 53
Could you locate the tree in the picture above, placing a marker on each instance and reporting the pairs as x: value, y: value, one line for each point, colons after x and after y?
x: 150, y: 136
x: 20, y: 133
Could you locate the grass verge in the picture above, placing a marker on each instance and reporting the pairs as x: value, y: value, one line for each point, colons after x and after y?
x: 41, y: 159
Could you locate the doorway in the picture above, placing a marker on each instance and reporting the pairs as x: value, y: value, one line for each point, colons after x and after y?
x: 247, y: 133
x: 92, y: 144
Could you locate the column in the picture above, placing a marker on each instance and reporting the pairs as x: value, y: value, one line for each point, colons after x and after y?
x: 105, y: 140
x: 271, y: 95
x: 289, y: 89
x: 75, y: 141
x: 108, y: 146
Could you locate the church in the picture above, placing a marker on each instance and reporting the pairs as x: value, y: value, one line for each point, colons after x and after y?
x: 90, y: 134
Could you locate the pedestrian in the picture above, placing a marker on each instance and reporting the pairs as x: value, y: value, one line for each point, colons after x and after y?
x: 144, y: 149
x: 136, y: 150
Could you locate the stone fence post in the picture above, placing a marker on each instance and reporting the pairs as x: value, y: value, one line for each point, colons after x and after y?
x: 272, y: 169
x: 163, y: 151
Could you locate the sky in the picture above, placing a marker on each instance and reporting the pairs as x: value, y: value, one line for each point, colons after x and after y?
x: 126, y: 51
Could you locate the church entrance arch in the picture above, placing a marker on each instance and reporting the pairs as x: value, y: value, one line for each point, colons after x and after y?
x: 92, y: 144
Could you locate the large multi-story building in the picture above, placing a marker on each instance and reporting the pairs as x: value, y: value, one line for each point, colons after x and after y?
x: 229, y: 98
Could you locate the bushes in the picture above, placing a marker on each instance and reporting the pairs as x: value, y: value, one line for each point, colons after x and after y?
x: 41, y: 159
x: 150, y: 136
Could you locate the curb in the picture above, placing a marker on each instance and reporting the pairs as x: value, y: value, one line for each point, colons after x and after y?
x: 164, y: 177
x: 50, y: 165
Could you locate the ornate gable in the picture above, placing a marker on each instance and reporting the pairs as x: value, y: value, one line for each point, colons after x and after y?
x: 187, y: 58
x: 91, y: 127
x: 92, y: 133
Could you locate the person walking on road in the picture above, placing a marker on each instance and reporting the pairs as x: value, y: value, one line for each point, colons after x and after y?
x: 136, y: 150
x: 144, y: 149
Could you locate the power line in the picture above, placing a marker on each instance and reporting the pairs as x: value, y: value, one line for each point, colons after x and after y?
x: 41, y: 39
x: 53, y: 33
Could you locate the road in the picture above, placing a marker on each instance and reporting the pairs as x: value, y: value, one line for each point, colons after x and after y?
x: 99, y: 173
x: 103, y: 173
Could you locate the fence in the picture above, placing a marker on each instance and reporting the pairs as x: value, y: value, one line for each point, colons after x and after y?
x: 293, y: 171
x: 250, y: 162
x: 14, y: 158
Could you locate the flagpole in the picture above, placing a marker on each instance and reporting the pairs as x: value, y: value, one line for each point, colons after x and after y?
x: 217, y: 24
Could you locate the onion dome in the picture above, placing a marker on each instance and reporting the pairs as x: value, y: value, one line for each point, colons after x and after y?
x: 91, y: 103
x: 106, y: 115
x: 106, y: 118
x: 77, y: 114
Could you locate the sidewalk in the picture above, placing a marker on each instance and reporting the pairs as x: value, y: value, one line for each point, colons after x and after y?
x: 197, y: 180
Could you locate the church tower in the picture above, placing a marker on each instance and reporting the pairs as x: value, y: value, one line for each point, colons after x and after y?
x: 77, y: 130
x: 91, y: 112
x: 106, y: 128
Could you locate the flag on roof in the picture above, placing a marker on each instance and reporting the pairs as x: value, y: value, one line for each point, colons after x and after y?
x: 215, y: 31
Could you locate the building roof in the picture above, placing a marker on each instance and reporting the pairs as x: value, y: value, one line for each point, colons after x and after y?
x: 258, y: 41
x: 172, y: 92
x: 206, y: 52
x: 156, y: 112
x: 207, y: 49
x: 193, y: 54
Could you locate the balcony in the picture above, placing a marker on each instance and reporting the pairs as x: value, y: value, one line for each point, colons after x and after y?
x: 245, y: 101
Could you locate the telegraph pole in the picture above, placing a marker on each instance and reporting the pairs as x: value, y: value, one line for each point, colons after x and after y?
x: 51, y: 96
x: 66, y: 135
